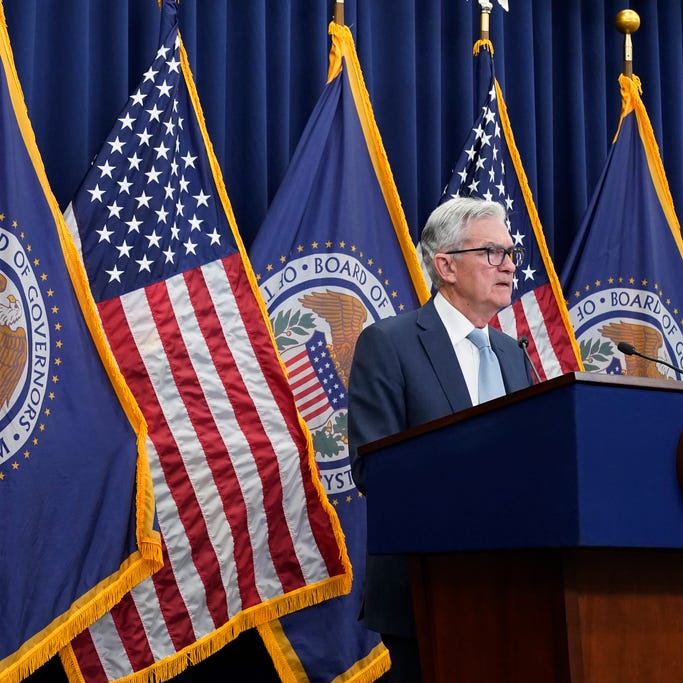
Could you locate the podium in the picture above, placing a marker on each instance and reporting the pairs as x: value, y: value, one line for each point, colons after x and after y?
x: 545, y: 531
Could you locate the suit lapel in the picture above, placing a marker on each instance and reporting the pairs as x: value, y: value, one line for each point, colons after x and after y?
x: 439, y: 350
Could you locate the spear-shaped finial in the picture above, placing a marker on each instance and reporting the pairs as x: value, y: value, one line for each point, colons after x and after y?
x: 339, y: 12
x: 627, y: 22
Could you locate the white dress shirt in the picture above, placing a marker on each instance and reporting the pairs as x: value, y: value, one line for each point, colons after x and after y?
x: 458, y: 327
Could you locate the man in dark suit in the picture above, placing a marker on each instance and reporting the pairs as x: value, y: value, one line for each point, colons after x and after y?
x: 419, y: 366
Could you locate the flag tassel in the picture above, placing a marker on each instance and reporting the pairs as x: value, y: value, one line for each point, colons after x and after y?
x: 482, y: 43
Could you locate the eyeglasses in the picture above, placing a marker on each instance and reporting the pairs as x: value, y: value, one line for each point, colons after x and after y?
x: 496, y: 255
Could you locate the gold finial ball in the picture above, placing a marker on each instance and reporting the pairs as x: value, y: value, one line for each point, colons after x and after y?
x: 627, y: 21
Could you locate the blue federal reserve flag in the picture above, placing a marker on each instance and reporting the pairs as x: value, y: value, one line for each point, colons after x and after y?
x: 76, y: 499
x: 333, y: 255
x: 624, y: 275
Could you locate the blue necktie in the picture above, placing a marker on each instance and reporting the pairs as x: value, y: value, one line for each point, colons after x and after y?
x: 490, y: 378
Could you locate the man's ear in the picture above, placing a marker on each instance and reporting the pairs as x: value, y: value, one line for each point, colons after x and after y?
x: 446, y: 267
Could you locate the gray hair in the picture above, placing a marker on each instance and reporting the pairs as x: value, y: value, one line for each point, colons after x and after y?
x: 445, y: 228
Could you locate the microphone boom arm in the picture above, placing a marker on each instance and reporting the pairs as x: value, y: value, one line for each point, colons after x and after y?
x: 630, y: 350
x: 523, y: 342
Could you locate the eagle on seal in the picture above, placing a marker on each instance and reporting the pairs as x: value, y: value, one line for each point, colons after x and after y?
x: 346, y: 315
x: 646, y: 339
x: 13, y: 345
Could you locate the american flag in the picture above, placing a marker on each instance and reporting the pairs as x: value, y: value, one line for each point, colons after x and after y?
x: 490, y: 167
x: 248, y: 533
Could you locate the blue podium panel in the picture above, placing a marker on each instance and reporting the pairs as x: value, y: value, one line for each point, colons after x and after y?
x: 581, y: 460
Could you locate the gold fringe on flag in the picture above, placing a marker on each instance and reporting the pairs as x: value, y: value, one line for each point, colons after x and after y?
x: 343, y: 48
x: 631, y: 90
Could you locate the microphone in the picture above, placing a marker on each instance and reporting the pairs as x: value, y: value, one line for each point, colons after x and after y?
x: 523, y: 342
x: 630, y: 350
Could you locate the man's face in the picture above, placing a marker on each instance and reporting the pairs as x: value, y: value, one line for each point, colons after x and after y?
x: 478, y: 289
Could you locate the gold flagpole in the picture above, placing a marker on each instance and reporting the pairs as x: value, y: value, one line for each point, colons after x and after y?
x: 339, y: 12
x: 627, y: 22
x: 486, y: 8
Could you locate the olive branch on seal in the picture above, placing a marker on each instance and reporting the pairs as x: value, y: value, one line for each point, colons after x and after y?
x: 594, y: 351
x: 331, y: 438
x: 291, y: 328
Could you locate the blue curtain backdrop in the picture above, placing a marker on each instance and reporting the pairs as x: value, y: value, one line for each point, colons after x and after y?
x: 260, y: 66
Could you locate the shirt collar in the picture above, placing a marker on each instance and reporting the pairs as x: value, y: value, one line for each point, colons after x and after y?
x: 456, y: 323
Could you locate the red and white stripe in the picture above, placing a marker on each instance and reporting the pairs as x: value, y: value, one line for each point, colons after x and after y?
x: 238, y: 509
x: 536, y: 315
x: 309, y: 395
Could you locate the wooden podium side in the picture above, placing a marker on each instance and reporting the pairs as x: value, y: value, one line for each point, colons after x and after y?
x: 582, y: 615
x: 557, y: 559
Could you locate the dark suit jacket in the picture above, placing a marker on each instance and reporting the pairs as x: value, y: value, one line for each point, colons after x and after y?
x: 405, y: 373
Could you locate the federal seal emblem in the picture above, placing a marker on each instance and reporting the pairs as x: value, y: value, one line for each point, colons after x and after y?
x: 318, y: 305
x: 623, y: 310
x: 24, y: 346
